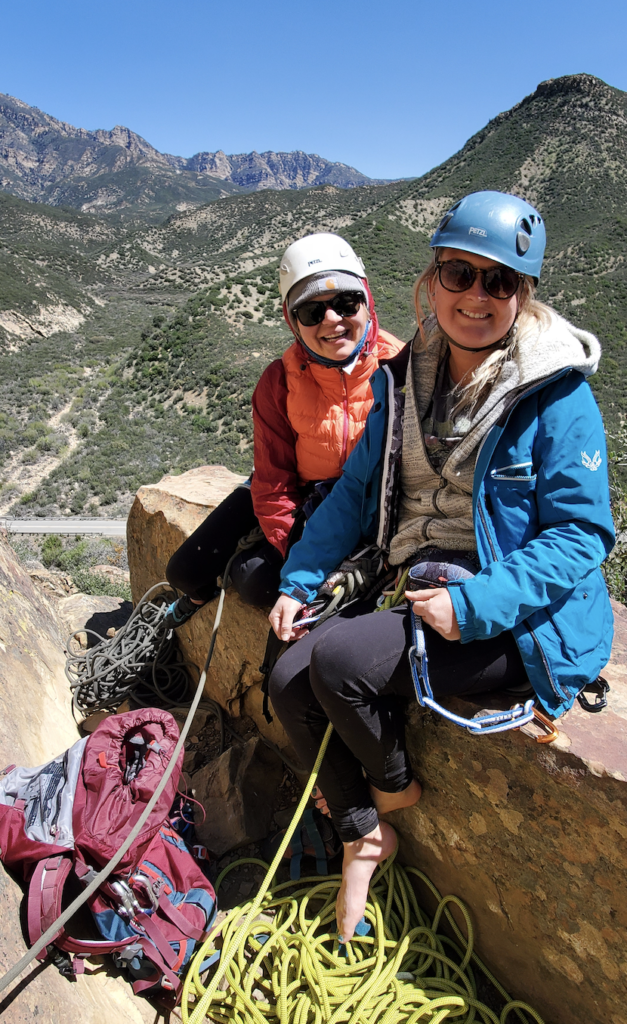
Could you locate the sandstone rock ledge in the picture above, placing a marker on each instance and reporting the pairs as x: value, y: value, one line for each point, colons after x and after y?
x: 533, y: 836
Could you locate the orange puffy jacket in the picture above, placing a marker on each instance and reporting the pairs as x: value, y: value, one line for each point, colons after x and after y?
x: 308, y: 418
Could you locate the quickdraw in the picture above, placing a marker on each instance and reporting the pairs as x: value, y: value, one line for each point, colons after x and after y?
x: 441, y: 569
x: 499, y: 721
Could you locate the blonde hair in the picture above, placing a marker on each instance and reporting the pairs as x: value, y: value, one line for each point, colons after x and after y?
x: 531, y: 313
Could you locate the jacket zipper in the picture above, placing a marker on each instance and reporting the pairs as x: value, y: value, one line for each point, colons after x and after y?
x: 345, y: 413
x: 558, y: 693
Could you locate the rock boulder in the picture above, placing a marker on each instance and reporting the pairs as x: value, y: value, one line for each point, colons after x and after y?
x: 238, y: 792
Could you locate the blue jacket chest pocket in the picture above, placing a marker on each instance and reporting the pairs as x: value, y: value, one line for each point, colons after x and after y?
x: 511, y: 495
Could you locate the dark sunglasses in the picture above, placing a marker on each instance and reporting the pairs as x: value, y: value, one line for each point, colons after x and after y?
x: 458, y: 276
x: 344, y: 304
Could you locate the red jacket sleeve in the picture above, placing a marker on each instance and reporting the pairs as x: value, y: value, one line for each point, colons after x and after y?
x: 275, y: 490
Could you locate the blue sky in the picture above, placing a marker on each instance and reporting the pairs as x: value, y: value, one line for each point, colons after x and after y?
x: 392, y: 88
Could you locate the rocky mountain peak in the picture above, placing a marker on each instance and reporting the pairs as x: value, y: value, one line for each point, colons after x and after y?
x: 583, y: 84
x: 47, y: 160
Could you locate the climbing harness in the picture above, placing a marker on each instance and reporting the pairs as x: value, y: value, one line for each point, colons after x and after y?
x: 281, y: 960
x: 358, y: 578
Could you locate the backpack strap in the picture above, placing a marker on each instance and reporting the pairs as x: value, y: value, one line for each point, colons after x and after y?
x: 44, y: 897
x: 180, y: 921
x: 157, y: 938
x: 155, y: 957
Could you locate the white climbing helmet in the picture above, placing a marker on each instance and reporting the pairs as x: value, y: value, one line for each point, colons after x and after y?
x: 315, y: 254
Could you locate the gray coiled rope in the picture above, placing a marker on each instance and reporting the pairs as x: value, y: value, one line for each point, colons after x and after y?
x: 141, y: 661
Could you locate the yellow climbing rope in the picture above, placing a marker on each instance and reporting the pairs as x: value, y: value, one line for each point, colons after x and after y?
x: 281, y: 961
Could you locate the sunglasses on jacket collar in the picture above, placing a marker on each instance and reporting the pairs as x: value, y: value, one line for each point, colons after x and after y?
x: 458, y: 276
x: 345, y: 304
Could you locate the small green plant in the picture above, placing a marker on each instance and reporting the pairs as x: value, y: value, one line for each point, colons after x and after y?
x: 51, y: 549
x: 99, y: 585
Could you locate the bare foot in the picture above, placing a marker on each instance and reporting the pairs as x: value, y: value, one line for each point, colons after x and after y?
x: 320, y: 801
x: 385, y: 802
x: 361, y: 858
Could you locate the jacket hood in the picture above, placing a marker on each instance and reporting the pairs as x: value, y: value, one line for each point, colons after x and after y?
x: 545, y: 349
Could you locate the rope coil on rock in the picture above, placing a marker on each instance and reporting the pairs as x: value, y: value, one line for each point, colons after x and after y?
x: 142, y: 660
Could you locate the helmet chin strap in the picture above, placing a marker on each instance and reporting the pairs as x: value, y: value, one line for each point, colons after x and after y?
x: 482, y: 348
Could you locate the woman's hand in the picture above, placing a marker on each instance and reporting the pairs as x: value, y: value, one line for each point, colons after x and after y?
x: 436, y: 608
x: 282, y: 618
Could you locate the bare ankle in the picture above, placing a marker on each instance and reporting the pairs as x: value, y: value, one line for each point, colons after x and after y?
x: 386, y: 802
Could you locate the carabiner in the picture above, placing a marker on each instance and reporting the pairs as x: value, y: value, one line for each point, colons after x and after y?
x: 551, y: 732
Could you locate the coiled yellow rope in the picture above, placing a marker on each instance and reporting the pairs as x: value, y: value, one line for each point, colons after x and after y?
x: 281, y: 962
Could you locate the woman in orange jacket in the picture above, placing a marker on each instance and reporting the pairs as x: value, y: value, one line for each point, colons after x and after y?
x: 309, y: 411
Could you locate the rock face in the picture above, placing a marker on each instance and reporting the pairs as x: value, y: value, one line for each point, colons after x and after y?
x: 531, y: 835
x: 255, y: 171
x: 238, y: 791
x: 35, y: 725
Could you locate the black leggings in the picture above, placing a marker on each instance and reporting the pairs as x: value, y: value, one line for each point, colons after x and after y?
x: 351, y: 671
x: 194, y: 568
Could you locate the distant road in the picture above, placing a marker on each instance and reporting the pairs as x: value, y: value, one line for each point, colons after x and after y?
x: 104, y: 527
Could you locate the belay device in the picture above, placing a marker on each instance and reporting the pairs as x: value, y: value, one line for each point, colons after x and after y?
x: 423, y: 576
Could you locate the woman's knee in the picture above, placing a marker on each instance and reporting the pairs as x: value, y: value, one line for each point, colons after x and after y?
x: 332, y: 659
x: 256, y: 575
x: 175, y: 570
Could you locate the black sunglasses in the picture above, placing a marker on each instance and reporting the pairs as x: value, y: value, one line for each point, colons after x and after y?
x: 344, y: 304
x: 458, y: 276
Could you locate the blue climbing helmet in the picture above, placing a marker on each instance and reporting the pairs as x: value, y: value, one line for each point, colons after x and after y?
x: 497, y: 225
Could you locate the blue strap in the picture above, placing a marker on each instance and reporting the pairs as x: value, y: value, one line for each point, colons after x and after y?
x: 313, y: 833
x: 500, y: 721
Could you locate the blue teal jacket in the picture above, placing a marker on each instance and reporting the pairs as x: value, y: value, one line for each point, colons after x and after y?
x: 542, y: 522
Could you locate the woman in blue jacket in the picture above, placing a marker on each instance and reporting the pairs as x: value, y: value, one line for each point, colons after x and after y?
x: 484, y: 441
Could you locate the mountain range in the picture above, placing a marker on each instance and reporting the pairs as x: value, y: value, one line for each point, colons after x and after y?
x: 118, y: 173
x: 130, y: 349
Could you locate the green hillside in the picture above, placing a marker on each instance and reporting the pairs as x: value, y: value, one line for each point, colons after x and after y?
x: 181, y: 317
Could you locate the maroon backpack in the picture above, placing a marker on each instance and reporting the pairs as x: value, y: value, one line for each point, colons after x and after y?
x: 62, y: 822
